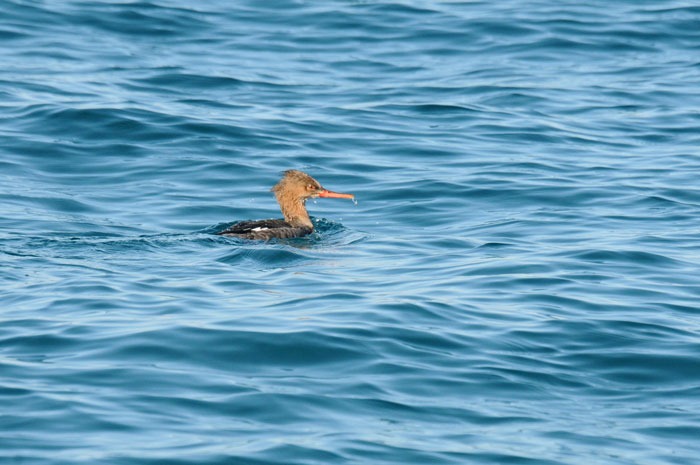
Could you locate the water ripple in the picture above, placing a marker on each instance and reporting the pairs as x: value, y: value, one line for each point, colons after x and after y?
x: 518, y: 283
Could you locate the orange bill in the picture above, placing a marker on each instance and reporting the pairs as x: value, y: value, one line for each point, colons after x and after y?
x: 335, y: 195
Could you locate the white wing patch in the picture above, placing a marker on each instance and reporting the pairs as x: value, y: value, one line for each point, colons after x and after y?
x: 260, y: 228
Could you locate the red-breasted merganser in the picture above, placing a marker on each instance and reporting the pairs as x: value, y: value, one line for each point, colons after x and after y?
x: 292, y: 191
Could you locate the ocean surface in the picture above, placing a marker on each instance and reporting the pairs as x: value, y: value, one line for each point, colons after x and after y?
x: 519, y: 282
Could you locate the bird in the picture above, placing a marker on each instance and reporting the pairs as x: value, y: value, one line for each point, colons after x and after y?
x: 292, y: 192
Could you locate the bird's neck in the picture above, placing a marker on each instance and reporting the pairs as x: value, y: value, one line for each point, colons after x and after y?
x: 294, y: 211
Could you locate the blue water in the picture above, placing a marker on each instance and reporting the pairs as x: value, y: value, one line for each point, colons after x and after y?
x: 519, y: 283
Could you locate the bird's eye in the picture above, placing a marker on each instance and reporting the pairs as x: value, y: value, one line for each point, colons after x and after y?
x: 311, y: 187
